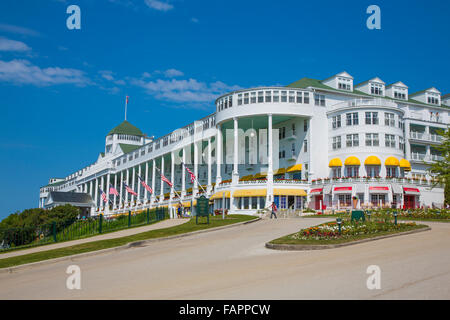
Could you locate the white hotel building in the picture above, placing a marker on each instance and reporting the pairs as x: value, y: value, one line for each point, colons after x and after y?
x: 310, y: 143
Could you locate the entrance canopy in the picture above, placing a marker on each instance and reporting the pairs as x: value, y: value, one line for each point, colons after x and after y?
x: 316, y: 191
x: 289, y: 192
x: 412, y: 191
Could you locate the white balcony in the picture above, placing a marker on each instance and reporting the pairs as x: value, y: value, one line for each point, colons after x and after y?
x: 434, y: 138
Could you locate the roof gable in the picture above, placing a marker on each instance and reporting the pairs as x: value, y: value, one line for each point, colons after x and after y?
x: 398, y: 84
x: 126, y: 128
x: 127, y: 148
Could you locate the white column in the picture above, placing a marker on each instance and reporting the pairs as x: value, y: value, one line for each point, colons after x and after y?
x: 172, y: 173
x: 121, y: 189
x: 152, y: 199
x: 270, y: 197
x: 90, y: 189
x: 195, y: 186
x: 183, y: 174
x: 209, y: 166
x: 162, y: 182
x: 96, y: 192
x: 139, y: 185
x: 219, y: 155
x: 128, y: 183
x: 235, y: 153
x: 132, y: 183
x: 108, y: 177
x: 146, y: 182
x: 115, y: 187
x: 102, y: 183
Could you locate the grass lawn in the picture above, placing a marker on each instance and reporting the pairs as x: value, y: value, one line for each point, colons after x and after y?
x: 291, y: 239
x: 189, y: 226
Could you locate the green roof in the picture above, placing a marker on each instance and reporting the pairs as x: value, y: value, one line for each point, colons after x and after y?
x: 126, y: 128
x: 55, y: 184
x: 127, y: 148
x: 314, y: 83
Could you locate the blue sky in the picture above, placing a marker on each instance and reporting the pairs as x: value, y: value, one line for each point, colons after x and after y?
x: 62, y: 90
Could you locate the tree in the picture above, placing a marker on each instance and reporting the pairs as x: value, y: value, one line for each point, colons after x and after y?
x: 441, y: 168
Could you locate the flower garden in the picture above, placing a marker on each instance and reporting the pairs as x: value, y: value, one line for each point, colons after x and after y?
x: 332, y: 233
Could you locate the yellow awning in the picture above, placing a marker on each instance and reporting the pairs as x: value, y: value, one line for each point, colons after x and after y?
x: 250, y: 193
x: 295, y: 168
x: 246, y: 178
x: 372, y: 161
x: 219, y: 195
x: 261, y: 175
x: 187, y: 204
x: 336, y: 162
x: 289, y: 192
x: 352, y: 161
x: 279, y: 171
x: 392, y: 161
x: 405, y: 165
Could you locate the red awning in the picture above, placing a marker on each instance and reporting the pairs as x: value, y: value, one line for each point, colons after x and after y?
x: 411, y: 190
x: 343, y: 189
x: 318, y: 190
x: 379, y: 188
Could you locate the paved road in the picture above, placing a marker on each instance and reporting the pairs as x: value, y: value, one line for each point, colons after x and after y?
x: 233, y: 264
x: 112, y: 235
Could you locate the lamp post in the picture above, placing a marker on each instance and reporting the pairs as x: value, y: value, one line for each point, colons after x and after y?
x: 368, y: 215
x: 339, y: 222
x: 395, y: 217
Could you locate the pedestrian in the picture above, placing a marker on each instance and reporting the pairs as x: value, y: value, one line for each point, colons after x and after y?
x: 180, y: 210
x: 273, y: 207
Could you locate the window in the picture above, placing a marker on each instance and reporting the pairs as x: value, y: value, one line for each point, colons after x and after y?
x: 336, y: 121
x: 305, y: 146
x: 399, y: 95
x: 299, y: 97
x: 352, y: 118
x: 283, y: 96
x: 401, y: 143
x: 319, y: 99
x: 373, y: 171
x: 260, y: 96
x: 372, y: 140
x: 230, y: 101
x: 276, y: 96
x: 344, y: 84
x: 376, y: 88
x: 336, y: 143
x: 306, y: 97
x: 389, y: 119
x: 268, y: 96
x: 375, y: 199
x: 291, y: 96
x: 281, y: 133
x: 282, y: 154
x: 401, y: 125
x: 246, y: 98
x: 239, y: 99
x: 336, y: 172
x: 305, y: 125
x: 433, y: 100
x: 352, y: 171
x: 345, y: 200
x: 371, y: 117
x: 390, y: 140
x: 253, y: 97
x: 391, y: 172
x: 293, y: 129
x: 353, y: 140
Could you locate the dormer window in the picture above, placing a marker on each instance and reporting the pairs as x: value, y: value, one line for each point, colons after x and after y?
x: 376, y: 89
x: 399, y: 95
x: 433, y: 100
x: 344, y: 84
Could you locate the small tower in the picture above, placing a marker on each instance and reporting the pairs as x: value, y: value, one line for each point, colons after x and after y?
x: 124, y: 133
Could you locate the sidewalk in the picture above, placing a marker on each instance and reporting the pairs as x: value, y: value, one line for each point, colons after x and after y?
x: 112, y: 235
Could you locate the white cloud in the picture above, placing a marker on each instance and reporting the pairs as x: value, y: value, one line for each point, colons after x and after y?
x: 172, y: 73
x: 159, y: 5
x: 24, y: 72
x: 186, y: 91
x: 18, y: 30
x: 107, y: 74
x: 13, y: 45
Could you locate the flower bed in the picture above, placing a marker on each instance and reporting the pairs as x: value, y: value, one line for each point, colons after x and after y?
x: 328, y: 233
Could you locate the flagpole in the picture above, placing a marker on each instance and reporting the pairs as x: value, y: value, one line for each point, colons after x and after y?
x: 172, y: 185
x: 126, y: 105
x: 198, y: 182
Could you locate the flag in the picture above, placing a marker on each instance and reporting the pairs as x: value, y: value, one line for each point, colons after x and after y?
x: 146, y: 186
x: 127, y: 98
x: 129, y: 190
x: 112, y: 190
x: 191, y: 174
x: 163, y: 178
x: 104, y: 198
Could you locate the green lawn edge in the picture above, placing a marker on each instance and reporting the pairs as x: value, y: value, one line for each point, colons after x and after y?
x: 189, y: 226
x: 398, y: 218
x: 286, y: 240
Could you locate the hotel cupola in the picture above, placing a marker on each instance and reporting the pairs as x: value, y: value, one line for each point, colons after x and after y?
x: 124, y: 134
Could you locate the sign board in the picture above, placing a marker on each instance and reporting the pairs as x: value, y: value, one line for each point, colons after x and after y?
x: 358, y: 215
x: 202, y: 208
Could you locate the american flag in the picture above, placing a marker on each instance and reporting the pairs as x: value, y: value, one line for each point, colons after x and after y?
x: 129, y: 190
x: 105, y: 199
x: 163, y: 178
x: 146, y: 186
x: 191, y: 174
x: 112, y: 190
x: 127, y: 98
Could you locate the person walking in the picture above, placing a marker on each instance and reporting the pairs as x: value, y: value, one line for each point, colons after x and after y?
x: 273, y: 207
x: 179, y: 211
